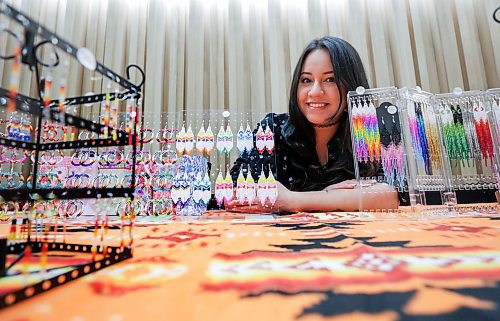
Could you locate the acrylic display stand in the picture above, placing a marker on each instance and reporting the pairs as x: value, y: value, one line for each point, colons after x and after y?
x: 379, y: 144
x: 428, y: 161
x: 470, y: 140
x: 184, y: 157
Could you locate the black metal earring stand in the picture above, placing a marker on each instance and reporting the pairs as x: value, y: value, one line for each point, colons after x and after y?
x: 35, y: 108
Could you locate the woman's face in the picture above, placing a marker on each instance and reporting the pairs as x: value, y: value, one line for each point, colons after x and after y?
x: 318, y: 95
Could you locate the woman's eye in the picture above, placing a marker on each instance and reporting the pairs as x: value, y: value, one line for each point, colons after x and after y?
x: 305, y: 80
x: 330, y: 79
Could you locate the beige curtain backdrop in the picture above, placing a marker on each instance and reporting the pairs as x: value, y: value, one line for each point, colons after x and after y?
x: 240, y: 54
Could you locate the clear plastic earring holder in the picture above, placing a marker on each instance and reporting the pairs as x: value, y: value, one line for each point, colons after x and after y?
x: 379, y: 148
x: 493, y: 99
x: 185, y: 158
x: 470, y: 134
x: 427, y: 160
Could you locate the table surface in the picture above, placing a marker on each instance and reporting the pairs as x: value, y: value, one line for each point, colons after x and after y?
x: 303, y: 266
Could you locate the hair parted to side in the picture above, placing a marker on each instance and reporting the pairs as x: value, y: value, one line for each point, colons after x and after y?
x: 349, y: 74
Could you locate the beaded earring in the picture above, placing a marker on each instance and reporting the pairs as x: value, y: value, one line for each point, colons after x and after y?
x: 423, y: 138
x: 15, y: 75
x: 251, y: 188
x: 391, y: 152
x: 240, y: 140
x: 482, y: 126
x: 206, y: 188
x: 228, y: 140
x: 180, y: 143
x: 200, y: 140
x: 359, y: 132
x: 272, y: 188
x: 457, y: 144
x: 189, y: 141
x: 269, y: 139
x: 113, y: 120
x: 220, y: 189
x: 262, y: 187
x: 221, y: 140
x: 373, y: 133
x: 260, y: 139
x: 241, y: 187
x: 431, y: 131
x: 209, y: 142
x: 106, y: 113
x: 229, y: 192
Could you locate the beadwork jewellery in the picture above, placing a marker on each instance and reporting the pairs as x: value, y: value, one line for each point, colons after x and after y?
x: 483, y: 133
x: 431, y: 130
x: 266, y: 188
x: 105, y: 181
x: 454, y: 132
x: 86, y: 135
x: 15, y: 75
x: 142, y: 157
x: 48, y: 180
x: 180, y: 143
x: 269, y: 139
x: 205, y: 140
x: 189, y: 141
x: 240, y: 140
x: 161, y: 181
x: 366, y: 130
x: 70, y: 209
x: 111, y: 158
x: 13, y: 155
x: 241, y: 187
x: 12, y: 180
x: 224, y: 141
x: 83, y: 157
x: 392, y: 153
x: 260, y: 139
x: 220, y: 187
x: 145, y: 135
x: 51, y: 157
x: 417, y: 133
x: 75, y: 180
x: 13, y: 127
x: 164, y: 157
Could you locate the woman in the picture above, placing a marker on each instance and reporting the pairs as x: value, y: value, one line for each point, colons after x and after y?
x: 313, y: 160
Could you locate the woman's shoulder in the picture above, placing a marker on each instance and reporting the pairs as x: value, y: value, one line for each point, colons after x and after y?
x: 274, y: 118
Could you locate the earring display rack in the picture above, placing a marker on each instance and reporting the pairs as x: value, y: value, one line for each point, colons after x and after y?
x: 450, y: 142
x: 176, y: 147
x: 34, y: 227
x: 470, y: 137
x: 379, y: 143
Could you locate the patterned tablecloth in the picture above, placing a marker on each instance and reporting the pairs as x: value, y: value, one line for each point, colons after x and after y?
x: 333, y: 266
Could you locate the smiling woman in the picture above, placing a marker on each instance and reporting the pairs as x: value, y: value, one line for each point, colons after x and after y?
x: 313, y: 161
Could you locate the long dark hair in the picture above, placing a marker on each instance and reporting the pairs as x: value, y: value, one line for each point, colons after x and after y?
x: 299, y: 133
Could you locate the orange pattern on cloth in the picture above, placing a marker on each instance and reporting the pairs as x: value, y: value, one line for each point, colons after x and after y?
x: 306, y: 266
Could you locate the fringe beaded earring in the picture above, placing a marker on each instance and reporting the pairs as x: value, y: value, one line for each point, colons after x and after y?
x: 483, y: 132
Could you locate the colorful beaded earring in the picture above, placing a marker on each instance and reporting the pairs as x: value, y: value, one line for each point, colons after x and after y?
x: 260, y: 139
x: 15, y: 75
x: 241, y: 187
x: 392, y: 151
x: 431, y: 131
x: 189, y: 141
x: 482, y: 126
x: 269, y: 139
x: 240, y: 140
